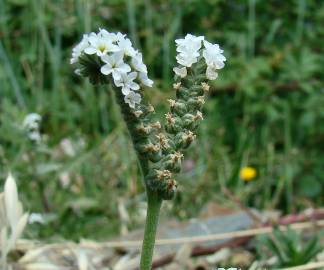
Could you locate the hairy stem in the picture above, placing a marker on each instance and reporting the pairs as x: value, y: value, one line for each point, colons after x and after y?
x: 154, y: 203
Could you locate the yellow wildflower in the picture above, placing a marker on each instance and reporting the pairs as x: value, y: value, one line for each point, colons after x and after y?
x: 248, y: 173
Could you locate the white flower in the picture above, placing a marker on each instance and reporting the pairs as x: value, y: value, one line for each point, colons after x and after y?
x: 187, y: 59
x: 31, y: 124
x: 213, y: 55
x: 114, y: 65
x: 126, y: 82
x: 189, y: 43
x: 125, y: 45
x: 32, y: 121
x: 100, y: 45
x: 188, y: 49
x: 107, y: 35
x: 132, y: 99
x: 211, y: 73
x: 145, y: 79
x: 182, y: 72
x: 137, y: 63
x: 78, y: 49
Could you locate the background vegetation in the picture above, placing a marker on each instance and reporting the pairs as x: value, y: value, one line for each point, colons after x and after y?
x: 264, y: 111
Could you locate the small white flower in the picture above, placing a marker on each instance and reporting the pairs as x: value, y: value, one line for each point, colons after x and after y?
x: 188, y: 50
x: 211, y: 73
x: 31, y: 124
x: 100, y: 45
x: 126, y: 82
x: 78, y: 49
x: 137, y: 63
x: 114, y: 65
x: 182, y: 72
x: 213, y: 55
x: 189, y: 43
x: 132, y: 99
x: 145, y: 79
x: 187, y: 59
x: 107, y: 35
x: 32, y: 121
x: 125, y: 45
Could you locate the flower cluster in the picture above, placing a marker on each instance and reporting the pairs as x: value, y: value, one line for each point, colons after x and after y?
x: 31, y: 125
x: 110, y: 57
x: 189, y: 52
x: 199, y: 61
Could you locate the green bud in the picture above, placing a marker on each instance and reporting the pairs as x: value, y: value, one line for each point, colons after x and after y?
x: 188, y: 121
x: 173, y: 162
x: 173, y: 123
x: 169, y: 190
x: 178, y: 107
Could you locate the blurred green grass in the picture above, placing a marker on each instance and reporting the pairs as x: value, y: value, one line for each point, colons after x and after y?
x: 265, y: 110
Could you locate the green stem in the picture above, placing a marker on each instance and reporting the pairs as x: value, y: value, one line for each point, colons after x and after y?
x: 154, y: 201
x: 152, y: 218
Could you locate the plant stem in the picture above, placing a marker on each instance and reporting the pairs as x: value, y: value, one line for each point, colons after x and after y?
x: 152, y: 218
x: 154, y: 201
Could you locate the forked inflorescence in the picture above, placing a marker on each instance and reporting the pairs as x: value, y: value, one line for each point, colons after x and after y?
x: 109, y: 58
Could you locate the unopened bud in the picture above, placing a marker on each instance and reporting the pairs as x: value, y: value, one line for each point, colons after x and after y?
x: 172, y: 102
x: 188, y: 121
x: 143, y: 129
x: 170, y: 119
x: 201, y: 100
x: 177, y: 86
x: 163, y: 174
x: 179, y: 108
x: 156, y: 125
x: 163, y: 140
x: 138, y: 113
x: 205, y: 86
x: 169, y: 189
x: 173, y: 162
x: 184, y: 139
x: 150, y: 108
x: 199, y: 116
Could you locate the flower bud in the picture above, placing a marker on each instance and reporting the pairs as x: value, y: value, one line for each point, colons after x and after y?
x: 143, y: 129
x: 164, y: 142
x: 173, y: 124
x: 184, y: 139
x: 156, y: 125
x: 178, y: 107
x: 196, y: 103
x: 199, y: 116
x: 173, y: 162
x: 188, y: 121
x: 138, y: 113
x: 205, y: 86
x: 169, y: 189
x: 183, y: 93
x: 177, y: 85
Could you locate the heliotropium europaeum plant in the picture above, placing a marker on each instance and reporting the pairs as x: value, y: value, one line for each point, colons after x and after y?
x: 110, y: 58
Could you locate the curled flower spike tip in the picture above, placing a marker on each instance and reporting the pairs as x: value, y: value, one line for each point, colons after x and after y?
x: 198, y: 62
x: 107, y: 57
